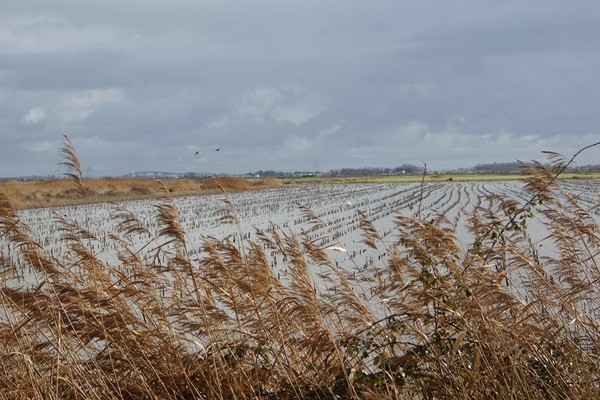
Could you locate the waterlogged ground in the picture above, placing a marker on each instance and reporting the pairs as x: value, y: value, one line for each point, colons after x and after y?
x: 338, y: 206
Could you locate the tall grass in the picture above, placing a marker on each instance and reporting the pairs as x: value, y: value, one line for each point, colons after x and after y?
x: 61, y: 192
x: 498, y: 321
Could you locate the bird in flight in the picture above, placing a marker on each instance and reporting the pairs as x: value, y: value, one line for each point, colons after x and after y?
x: 199, y: 153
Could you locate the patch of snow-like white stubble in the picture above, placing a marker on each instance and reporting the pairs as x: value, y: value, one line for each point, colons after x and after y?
x: 336, y: 205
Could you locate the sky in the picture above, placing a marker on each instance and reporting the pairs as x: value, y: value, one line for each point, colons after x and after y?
x: 287, y: 85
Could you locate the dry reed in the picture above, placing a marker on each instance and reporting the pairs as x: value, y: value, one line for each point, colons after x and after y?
x: 60, y: 192
x: 225, y: 327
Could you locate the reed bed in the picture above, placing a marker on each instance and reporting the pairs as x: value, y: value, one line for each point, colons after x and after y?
x: 60, y: 192
x: 497, y: 320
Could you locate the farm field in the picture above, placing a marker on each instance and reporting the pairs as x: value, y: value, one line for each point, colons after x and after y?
x: 61, y: 192
x: 412, y: 178
x: 339, y: 208
x: 308, y: 291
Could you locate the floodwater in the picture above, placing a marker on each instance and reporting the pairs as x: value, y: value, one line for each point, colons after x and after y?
x: 337, y: 207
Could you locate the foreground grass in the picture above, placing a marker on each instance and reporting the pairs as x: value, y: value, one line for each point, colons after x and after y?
x: 433, y: 322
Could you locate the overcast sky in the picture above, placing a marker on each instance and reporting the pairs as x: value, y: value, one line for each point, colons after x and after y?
x: 295, y: 85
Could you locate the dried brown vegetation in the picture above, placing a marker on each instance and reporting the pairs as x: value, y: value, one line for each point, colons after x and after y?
x: 225, y: 327
x: 57, y: 192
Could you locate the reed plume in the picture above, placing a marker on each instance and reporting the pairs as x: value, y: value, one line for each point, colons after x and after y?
x: 152, y: 318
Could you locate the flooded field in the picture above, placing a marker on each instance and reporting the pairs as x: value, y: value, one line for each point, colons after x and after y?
x: 392, y: 281
x: 243, y: 216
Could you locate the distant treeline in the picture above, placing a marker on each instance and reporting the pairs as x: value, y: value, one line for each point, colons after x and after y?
x: 364, y: 171
x: 516, y: 167
x: 403, y: 169
x: 496, y: 167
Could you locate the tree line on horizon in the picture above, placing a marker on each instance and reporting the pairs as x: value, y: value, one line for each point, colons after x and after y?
x: 494, y: 167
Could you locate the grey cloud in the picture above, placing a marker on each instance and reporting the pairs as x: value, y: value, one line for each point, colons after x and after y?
x: 295, y: 85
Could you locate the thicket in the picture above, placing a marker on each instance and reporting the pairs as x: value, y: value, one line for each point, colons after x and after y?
x: 435, y: 322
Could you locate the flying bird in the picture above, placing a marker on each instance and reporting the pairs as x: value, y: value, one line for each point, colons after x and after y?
x: 219, y: 148
x: 198, y: 153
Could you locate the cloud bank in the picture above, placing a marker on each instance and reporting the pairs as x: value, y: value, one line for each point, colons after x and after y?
x: 295, y: 85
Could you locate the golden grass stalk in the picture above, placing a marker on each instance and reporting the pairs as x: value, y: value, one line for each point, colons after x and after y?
x: 432, y: 321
